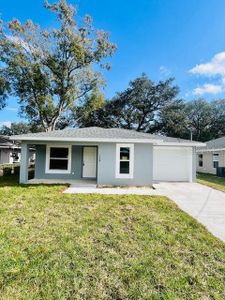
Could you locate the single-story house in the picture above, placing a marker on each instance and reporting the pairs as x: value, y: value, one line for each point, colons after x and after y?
x: 112, y: 156
x: 9, y: 151
x: 212, y: 156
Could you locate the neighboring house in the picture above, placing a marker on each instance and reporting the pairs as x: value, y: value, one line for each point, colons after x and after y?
x: 109, y: 156
x: 9, y: 151
x: 212, y: 156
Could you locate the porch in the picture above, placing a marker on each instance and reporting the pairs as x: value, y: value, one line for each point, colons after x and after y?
x: 61, y: 163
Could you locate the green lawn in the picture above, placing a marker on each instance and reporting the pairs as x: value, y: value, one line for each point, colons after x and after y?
x: 212, y: 181
x: 56, y: 246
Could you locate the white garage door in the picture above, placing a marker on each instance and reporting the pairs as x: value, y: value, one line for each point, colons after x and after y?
x: 172, y: 164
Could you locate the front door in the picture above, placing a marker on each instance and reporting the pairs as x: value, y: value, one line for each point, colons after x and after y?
x: 89, y: 162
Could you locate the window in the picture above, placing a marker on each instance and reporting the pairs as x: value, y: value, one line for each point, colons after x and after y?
x: 124, y: 160
x: 58, y: 159
x: 200, y: 160
x: 15, y: 156
x: 215, y: 161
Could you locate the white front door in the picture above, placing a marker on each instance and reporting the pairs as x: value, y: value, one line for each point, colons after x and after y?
x: 89, y: 162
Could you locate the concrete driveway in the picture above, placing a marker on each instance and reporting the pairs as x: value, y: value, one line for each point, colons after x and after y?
x: 201, y: 202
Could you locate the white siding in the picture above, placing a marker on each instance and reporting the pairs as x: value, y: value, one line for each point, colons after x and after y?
x: 5, y: 157
x: 208, y: 161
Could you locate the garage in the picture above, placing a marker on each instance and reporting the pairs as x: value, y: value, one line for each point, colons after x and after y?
x: 172, y: 163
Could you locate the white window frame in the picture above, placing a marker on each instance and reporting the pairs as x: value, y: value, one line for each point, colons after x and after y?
x: 215, y: 158
x: 47, y: 161
x: 131, y: 161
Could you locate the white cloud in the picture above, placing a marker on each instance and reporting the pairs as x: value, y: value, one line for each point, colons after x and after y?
x: 26, y: 46
x: 164, y: 71
x: 11, y: 108
x: 213, y: 68
x: 216, y: 66
x: 208, y: 88
x: 17, y: 40
x: 6, y: 123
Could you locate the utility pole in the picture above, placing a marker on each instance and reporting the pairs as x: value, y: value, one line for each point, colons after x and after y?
x: 191, y: 134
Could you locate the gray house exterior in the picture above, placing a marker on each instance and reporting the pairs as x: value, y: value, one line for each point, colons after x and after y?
x: 110, y: 157
x: 211, y: 156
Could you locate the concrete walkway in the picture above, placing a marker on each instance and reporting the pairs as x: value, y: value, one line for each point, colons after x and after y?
x: 201, y: 202
x: 205, y: 204
x: 110, y: 191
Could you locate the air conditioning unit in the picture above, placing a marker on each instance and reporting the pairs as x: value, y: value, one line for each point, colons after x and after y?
x: 220, y: 171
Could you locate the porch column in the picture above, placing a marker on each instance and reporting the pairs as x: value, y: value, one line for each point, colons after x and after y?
x: 24, y: 163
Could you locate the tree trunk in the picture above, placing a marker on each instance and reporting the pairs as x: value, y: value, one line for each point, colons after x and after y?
x: 51, y: 127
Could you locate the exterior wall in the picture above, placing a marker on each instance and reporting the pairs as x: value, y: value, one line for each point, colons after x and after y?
x: 194, y: 170
x: 222, y: 159
x: 5, y: 155
x: 106, y: 164
x: 143, y: 165
x: 76, y: 164
x: 208, y: 161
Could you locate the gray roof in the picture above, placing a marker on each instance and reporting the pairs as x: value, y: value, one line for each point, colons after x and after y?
x: 98, y: 134
x: 5, y: 142
x: 215, y: 144
x: 91, y: 132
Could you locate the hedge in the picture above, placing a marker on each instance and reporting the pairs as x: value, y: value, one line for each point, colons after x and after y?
x: 10, y: 169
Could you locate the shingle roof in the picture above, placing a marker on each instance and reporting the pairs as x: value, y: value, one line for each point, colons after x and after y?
x: 5, y: 142
x: 91, y: 132
x: 215, y: 144
x: 98, y: 134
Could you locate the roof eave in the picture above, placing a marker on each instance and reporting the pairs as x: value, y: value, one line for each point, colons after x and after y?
x: 211, y: 150
x: 106, y: 140
x: 95, y: 140
x: 182, y: 144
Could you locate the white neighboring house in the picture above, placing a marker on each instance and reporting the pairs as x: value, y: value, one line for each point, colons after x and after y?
x: 10, y: 152
x: 211, y: 157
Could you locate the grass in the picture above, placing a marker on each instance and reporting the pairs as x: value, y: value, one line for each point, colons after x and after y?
x: 212, y: 181
x: 57, y: 246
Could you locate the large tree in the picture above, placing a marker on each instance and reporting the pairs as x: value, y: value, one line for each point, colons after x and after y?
x: 3, y: 91
x: 200, y: 117
x: 173, y: 120
x: 19, y: 128
x: 138, y: 106
x: 48, y: 70
x: 87, y: 113
x: 218, y: 123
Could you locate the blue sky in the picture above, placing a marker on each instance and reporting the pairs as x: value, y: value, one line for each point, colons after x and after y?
x: 184, y: 39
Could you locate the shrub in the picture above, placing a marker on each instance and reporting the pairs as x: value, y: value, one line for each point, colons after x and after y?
x: 17, y: 170
x: 7, y: 171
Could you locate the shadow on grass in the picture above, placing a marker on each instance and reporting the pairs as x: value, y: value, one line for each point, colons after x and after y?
x: 9, y: 180
x: 13, y: 180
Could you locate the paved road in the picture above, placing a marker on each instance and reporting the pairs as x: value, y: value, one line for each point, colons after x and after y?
x: 201, y: 202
